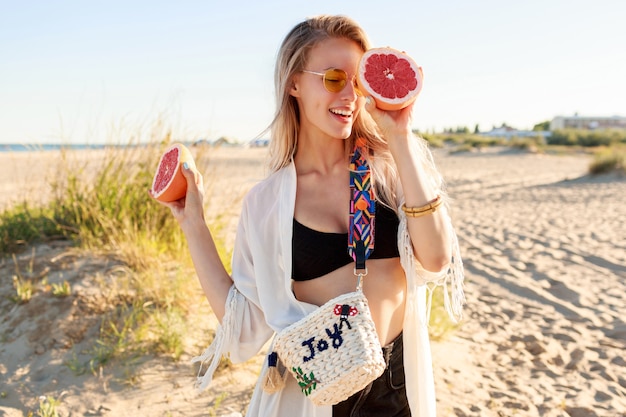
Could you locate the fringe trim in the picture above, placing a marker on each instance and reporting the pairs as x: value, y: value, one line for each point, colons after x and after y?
x: 275, y: 376
x: 213, y: 354
x: 454, y: 297
x: 451, y: 280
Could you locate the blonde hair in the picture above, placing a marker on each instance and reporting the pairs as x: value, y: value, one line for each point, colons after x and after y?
x: 292, y: 58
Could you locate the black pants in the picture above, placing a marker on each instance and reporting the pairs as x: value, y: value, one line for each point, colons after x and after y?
x: 384, y: 397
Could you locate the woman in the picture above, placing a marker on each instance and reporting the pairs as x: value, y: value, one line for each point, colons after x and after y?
x: 279, y: 274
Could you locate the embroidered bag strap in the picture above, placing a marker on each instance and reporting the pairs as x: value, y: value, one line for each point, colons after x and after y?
x: 362, y: 208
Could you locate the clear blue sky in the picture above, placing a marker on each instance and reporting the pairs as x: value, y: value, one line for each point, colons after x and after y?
x: 78, y: 71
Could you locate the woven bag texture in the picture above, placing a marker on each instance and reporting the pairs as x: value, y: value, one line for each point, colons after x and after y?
x: 333, y: 352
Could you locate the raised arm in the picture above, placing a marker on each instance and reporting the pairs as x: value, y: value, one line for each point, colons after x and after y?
x: 188, y: 211
x: 430, y: 234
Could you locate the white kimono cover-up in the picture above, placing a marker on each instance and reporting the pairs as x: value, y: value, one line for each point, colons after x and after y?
x: 261, y: 302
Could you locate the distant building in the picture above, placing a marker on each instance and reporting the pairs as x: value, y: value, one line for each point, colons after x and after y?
x: 500, y: 132
x: 590, y: 123
x: 508, y: 132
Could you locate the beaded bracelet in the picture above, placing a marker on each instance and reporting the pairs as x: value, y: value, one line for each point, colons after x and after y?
x: 428, y: 208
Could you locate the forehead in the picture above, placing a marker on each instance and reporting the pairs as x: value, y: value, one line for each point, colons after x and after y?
x: 335, y: 52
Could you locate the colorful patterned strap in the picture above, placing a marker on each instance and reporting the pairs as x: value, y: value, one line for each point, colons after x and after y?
x: 362, y: 207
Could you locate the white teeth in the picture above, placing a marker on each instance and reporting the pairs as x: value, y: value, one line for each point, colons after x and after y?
x: 341, y: 112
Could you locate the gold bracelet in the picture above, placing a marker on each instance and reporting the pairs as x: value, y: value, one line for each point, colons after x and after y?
x: 428, y: 208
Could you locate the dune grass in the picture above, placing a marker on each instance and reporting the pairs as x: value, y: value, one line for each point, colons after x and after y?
x: 110, y: 211
x: 110, y: 208
x: 607, y: 160
x: 24, y: 224
x: 100, y: 202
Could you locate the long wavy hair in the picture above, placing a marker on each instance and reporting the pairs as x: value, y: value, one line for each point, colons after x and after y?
x: 292, y: 59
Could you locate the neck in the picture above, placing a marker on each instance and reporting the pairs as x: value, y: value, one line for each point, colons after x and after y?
x: 323, y: 156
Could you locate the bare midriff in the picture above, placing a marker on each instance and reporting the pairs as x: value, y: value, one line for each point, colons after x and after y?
x: 384, y: 286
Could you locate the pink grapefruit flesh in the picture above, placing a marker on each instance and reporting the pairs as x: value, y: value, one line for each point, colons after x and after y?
x: 391, y: 77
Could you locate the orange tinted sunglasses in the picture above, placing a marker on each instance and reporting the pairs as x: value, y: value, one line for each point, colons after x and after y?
x: 335, y: 80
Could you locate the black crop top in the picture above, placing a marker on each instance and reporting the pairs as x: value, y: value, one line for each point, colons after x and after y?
x: 315, y: 253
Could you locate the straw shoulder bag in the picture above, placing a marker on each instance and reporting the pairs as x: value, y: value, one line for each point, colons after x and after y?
x: 333, y: 352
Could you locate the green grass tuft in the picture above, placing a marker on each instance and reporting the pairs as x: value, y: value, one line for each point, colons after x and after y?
x: 24, y: 224
x: 609, y: 160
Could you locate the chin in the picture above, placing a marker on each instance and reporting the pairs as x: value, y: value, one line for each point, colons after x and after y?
x: 345, y: 134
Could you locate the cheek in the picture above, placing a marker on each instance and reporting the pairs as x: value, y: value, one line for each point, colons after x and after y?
x: 314, y: 111
x: 310, y: 96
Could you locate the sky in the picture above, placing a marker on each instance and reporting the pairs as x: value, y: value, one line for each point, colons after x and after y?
x: 99, y: 72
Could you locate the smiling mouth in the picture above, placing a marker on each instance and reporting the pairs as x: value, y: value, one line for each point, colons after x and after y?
x: 341, y: 112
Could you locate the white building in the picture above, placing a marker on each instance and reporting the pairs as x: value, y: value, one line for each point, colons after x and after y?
x: 585, y: 122
x: 509, y: 133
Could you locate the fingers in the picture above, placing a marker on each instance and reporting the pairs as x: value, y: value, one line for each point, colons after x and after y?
x: 193, y: 177
x: 370, y: 106
x: 391, y: 123
x: 199, y: 180
x: 195, y: 189
x: 188, y: 173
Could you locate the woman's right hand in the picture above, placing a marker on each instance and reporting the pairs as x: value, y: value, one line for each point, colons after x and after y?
x: 190, y: 208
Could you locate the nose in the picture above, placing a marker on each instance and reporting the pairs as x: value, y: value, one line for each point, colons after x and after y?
x: 352, y: 88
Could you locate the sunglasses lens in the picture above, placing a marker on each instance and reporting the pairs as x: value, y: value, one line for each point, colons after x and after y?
x: 335, y: 80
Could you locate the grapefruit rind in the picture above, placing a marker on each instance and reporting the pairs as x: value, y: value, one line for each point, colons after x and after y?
x: 398, y: 78
x: 169, y: 183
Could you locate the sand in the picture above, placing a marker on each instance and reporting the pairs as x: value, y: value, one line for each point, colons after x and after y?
x: 544, y: 247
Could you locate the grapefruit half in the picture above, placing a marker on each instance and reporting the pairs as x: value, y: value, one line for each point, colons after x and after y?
x: 169, y: 184
x: 391, y: 77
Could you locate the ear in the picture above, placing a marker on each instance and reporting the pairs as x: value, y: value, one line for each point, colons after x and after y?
x: 294, y: 90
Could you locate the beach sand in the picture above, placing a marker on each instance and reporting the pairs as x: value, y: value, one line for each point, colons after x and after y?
x: 544, y: 334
